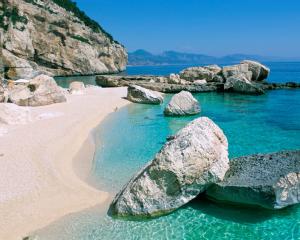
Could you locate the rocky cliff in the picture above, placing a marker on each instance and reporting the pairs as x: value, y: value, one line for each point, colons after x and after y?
x: 54, y: 36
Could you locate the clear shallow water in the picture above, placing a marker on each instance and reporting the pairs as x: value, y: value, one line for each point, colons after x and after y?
x: 130, y: 138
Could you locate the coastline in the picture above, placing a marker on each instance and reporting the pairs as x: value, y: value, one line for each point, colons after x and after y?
x: 41, y: 179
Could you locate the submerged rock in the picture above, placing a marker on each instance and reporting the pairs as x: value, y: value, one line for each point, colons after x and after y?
x: 139, y: 94
x: 186, y: 165
x: 259, y: 71
x: 181, y: 104
x: 41, y: 90
x: 240, y: 84
x: 266, y: 180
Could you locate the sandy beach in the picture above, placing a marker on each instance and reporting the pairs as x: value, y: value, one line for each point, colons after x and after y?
x: 44, y: 163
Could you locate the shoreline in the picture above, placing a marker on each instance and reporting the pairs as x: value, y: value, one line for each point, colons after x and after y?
x: 46, y: 179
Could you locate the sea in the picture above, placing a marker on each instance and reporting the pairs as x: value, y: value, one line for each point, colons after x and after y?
x: 128, y: 138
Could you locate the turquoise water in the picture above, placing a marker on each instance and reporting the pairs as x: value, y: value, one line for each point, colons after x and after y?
x: 131, y: 136
x: 280, y: 72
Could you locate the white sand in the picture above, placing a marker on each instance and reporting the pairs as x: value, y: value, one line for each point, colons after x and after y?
x: 40, y: 181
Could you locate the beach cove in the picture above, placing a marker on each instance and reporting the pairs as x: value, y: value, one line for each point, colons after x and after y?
x: 140, y: 131
x: 115, y: 134
x: 46, y: 161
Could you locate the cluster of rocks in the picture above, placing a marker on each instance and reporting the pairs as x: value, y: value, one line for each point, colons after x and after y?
x: 155, y: 83
x: 17, y: 96
x: 181, y: 104
x: 38, y: 91
x: 245, y: 77
x: 195, y: 161
x: 248, y: 77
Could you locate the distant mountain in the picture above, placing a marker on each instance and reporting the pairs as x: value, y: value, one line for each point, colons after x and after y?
x: 142, y: 57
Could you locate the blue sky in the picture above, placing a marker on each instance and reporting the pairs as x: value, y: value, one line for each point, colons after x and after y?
x: 214, y: 27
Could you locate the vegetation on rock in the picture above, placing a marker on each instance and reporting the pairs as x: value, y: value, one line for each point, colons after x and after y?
x: 80, y: 38
x: 71, y: 6
x: 10, y: 15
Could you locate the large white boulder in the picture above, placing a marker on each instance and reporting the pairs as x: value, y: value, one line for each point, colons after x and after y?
x: 187, y: 164
x: 237, y: 70
x: 139, y: 94
x: 265, y: 180
x: 259, y: 71
x: 240, y: 84
x: 209, y: 73
x: 41, y: 90
x: 11, y: 114
x: 181, y: 104
x: 77, y: 88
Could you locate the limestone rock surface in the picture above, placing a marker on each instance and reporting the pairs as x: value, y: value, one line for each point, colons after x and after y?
x: 198, y: 73
x: 240, y: 84
x: 259, y: 71
x: 43, y: 37
x: 41, y: 90
x: 77, y: 88
x: 181, y: 104
x: 139, y: 94
x: 266, y: 180
x: 186, y: 165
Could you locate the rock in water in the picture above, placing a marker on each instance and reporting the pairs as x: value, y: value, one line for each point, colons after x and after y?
x: 138, y: 94
x: 237, y: 70
x: 41, y: 90
x: 181, y: 104
x: 198, y: 73
x: 55, y: 37
x: 240, y: 84
x: 259, y: 71
x: 174, y: 79
x: 186, y: 165
x: 266, y: 180
x: 76, y: 87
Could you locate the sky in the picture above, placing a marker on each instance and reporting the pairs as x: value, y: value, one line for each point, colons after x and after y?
x: 213, y: 27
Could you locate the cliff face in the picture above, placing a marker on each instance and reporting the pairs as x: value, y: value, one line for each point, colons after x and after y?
x: 54, y: 36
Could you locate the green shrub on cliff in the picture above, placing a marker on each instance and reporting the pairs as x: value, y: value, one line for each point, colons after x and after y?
x: 71, y: 6
x: 10, y: 15
x: 80, y: 38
